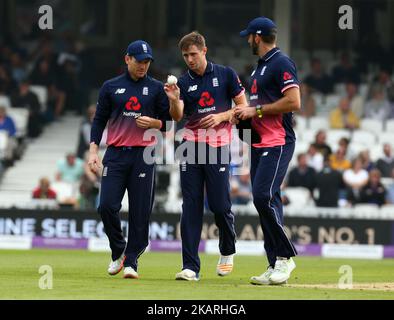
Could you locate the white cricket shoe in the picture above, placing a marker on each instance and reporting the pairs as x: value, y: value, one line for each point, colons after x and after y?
x: 225, y: 265
x: 130, y: 273
x: 264, y: 278
x: 116, y: 266
x: 282, y: 270
x: 188, y: 275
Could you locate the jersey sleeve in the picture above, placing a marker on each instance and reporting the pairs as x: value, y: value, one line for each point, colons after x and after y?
x: 235, y: 87
x: 103, y: 113
x: 286, y: 75
x: 163, y: 109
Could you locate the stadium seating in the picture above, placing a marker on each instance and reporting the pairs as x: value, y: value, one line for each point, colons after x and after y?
x: 390, y: 125
x: 366, y: 138
x: 372, y: 125
x: 298, y: 196
x: 20, y: 117
x: 3, y: 143
x: 319, y: 123
x: 366, y: 211
x: 42, y: 94
x: 5, y: 101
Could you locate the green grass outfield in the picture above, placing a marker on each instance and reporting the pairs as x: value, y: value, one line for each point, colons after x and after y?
x: 82, y: 275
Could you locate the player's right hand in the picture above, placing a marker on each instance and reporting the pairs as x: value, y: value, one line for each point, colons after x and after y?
x: 94, y: 162
x: 173, y: 92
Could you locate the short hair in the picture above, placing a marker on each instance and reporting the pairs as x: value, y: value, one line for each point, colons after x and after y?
x: 193, y: 38
x: 271, y: 38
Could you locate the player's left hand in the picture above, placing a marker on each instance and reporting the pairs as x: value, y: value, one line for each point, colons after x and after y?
x: 244, y: 113
x: 211, y: 121
x: 144, y: 122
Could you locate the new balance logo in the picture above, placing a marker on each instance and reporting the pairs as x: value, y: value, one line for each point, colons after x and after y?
x: 192, y: 88
x: 144, y: 47
x: 142, y: 175
x: 222, y: 169
x: 105, y: 171
x: 263, y: 71
x: 120, y: 91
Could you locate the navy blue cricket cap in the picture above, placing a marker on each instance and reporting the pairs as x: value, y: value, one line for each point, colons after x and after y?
x: 261, y: 25
x: 140, y: 50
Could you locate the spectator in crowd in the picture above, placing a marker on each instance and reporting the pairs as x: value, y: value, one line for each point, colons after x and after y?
x: 7, y: 84
x: 356, y: 100
x: 44, y: 191
x: 321, y: 144
x: 307, y: 102
x: 343, y: 117
x: 384, y: 80
x: 43, y: 75
x: 241, y: 189
x: 88, y: 188
x: 302, y: 175
x: 70, y: 169
x: 378, y: 107
x: 84, y: 132
x: 318, y: 80
x: 344, y: 143
x: 345, y: 71
x: 7, y: 124
x: 24, y: 98
x: 368, y: 165
x: 328, y: 184
x: 373, y: 192
x: 314, y: 158
x: 386, y: 164
x: 338, y: 160
x: 18, y: 67
x: 390, y: 190
x: 69, y: 82
x: 354, y: 179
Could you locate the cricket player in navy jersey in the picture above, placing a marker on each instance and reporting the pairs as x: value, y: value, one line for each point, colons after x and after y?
x: 130, y: 104
x: 204, y: 97
x: 274, y: 95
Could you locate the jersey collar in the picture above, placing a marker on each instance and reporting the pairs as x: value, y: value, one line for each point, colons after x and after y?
x: 127, y: 74
x: 208, y: 70
x: 269, y: 54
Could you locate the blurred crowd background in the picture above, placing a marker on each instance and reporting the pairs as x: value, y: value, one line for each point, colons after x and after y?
x: 49, y: 81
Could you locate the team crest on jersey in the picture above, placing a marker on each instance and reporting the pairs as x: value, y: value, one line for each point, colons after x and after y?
x: 215, y: 82
x: 145, y: 91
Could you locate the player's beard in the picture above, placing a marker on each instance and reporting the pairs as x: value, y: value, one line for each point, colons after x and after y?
x: 255, y: 48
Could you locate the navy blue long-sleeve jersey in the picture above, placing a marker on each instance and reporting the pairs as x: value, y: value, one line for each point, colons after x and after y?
x: 121, y: 101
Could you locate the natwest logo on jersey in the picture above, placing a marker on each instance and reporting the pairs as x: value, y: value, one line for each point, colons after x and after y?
x: 132, y: 105
x: 253, y: 90
x: 206, y: 102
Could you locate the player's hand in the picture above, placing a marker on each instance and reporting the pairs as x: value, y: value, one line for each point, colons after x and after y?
x: 144, y: 122
x: 234, y: 119
x: 244, y: 113
x: 211, y: 121
x: 94, y: 162
x: 173, y: 92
